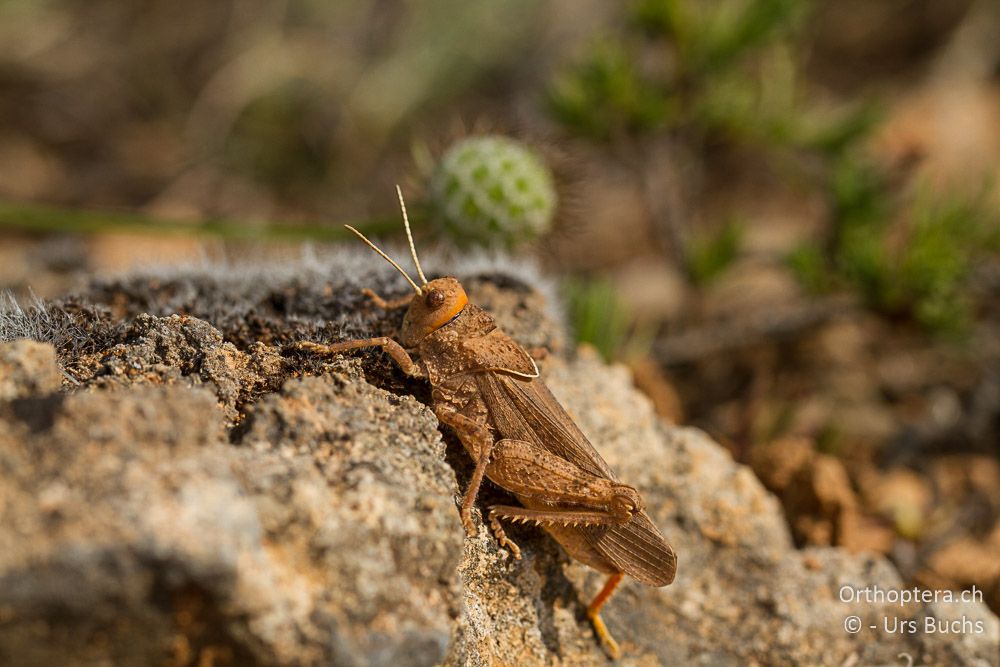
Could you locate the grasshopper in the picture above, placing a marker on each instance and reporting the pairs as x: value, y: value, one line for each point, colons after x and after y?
x: 487, y: 388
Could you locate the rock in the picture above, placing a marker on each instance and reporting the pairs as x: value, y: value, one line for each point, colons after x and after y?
x: 187, y: 505
x: 27, y: 368
x: 966, y: 563
x: 184, y: 349
x: 816, y: 492
x: 356, y: 502
x: 901, y: 496
x: 154, y: 540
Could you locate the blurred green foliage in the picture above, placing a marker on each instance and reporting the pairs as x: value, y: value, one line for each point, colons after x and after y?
x: 908, y: 257
x: 729, y: 72
x: 947, y: 238
x: 601, y: 319
x: 728, y: 68
x: 709, y: 255
x: 280, y: 138
x: 598, y: 316
x: 705, y: 73
x: 711, y: 36
x: 606, y: 95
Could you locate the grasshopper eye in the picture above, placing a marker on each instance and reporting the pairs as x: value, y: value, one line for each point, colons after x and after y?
x: 434, y: 299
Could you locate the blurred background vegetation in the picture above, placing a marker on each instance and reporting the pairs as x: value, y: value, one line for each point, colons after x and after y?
x: 781, y: 214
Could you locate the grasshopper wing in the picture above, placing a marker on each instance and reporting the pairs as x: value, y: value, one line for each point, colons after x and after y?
x: 527, y: 410
x: 636, y: 548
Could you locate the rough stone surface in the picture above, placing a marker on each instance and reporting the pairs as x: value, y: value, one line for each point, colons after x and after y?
x: 196, y: 495
x: 27, y: 367
x: 185, y: 350
x: 134, y: 531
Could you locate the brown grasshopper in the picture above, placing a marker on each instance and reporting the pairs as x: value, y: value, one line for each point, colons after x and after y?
x: 487, y: 388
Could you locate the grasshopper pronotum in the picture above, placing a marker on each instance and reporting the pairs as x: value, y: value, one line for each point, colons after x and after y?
x: 487, y: 388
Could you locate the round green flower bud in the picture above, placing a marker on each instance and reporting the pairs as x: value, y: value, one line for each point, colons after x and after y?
x: 493, y: 190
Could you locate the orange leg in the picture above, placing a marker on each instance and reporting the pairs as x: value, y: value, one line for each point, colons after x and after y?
x: 387, y: 304
x: 394, y: 349
x: 594, y: 614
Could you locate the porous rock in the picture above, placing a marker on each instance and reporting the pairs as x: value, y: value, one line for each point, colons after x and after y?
x: 185, y: 350
x: 303, y: 512
x: 27, y: 367
x: 134, y: 532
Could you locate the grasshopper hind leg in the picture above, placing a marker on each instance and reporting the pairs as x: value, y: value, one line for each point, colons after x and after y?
x: 594, y: 614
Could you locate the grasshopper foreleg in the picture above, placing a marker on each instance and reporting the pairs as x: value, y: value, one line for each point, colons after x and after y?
x: 387, y: 304
x: 394, y: 349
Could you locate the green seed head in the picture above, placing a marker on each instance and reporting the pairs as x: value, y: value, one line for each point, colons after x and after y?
x: 493, y: 191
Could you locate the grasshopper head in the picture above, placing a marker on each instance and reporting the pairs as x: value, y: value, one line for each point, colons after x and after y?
x: 438, y: 303
x: 435, y: 304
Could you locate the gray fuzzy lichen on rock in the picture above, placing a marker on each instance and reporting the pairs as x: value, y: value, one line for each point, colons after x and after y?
x: 204, y: 495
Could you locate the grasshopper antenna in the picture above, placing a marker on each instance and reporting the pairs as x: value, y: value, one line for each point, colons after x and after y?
x: 386, y: 257
x: 406, y: 223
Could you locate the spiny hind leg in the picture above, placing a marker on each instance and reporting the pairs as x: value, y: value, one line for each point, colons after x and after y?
x: 539, y: 517
x: 569, y: 518
x: 594, y: 614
